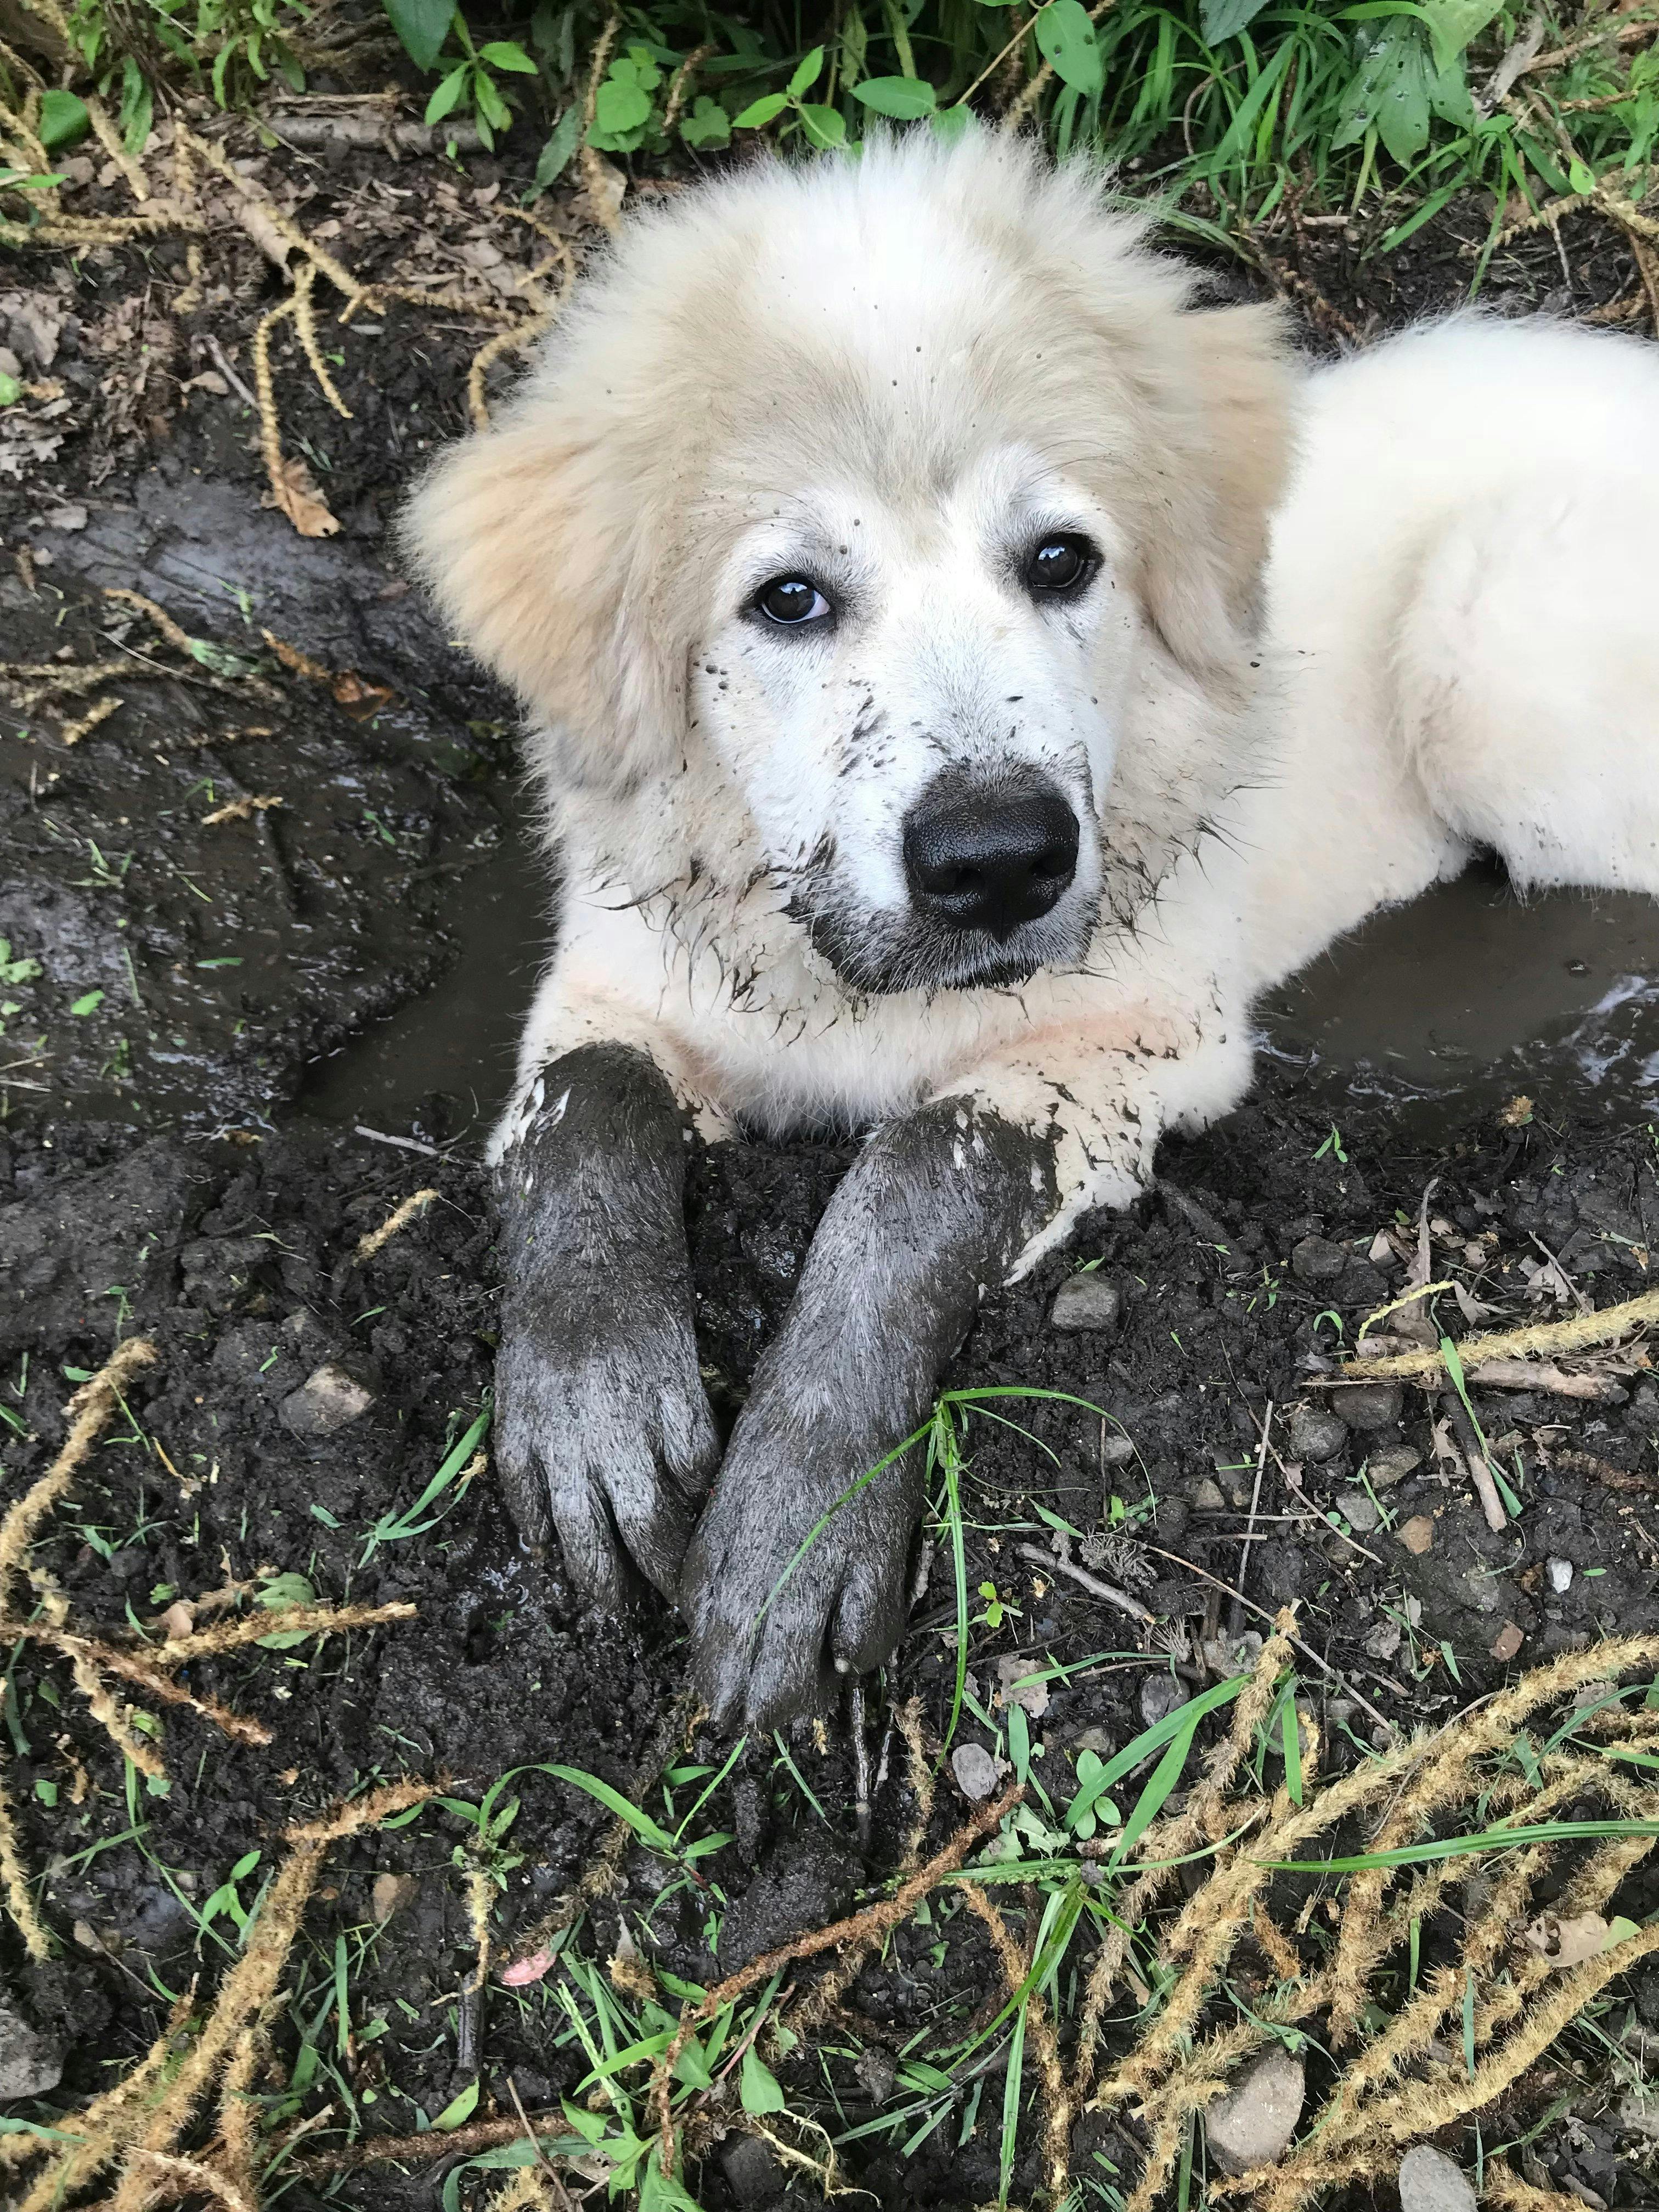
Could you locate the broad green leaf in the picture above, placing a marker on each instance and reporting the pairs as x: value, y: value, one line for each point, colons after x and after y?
x: 708, y: 125
x: 758, y: 2086
x: 1453, y: 23
x: 87, y: 1003
x: 561, y: 145
x: 1225, y: 19
x: 64, y: 119
x: 904, y: 98
x: 10, y: 390
x: 950, y: 123
x: 808, y: 73
x: 759, y: 112
x: 458, y: 2108
x: 503, y: 53
x: 447, y: 93
x: 422, y: 25
x: 1066, y: 38
x: 825, y: 126
x: 490, y: 107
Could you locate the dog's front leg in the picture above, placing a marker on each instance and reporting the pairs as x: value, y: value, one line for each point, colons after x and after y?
x: 605, y: 1433
x: 933, y: 1214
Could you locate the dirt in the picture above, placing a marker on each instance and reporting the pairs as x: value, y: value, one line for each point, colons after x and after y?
x: 182, y: 1156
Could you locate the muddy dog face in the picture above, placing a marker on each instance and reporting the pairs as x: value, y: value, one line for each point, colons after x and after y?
x: 935, y: 539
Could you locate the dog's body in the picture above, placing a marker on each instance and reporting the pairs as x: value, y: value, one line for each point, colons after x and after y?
x: 925, y: 835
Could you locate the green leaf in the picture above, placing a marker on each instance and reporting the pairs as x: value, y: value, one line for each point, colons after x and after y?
x: 1580, y: 176
x: 759, y: 112
x: 1453, y: 23
x: 456, y: 2110
x: 950, y: 123
x: 503, y: 53
x: 87, y: 1003
x: 758, y: 2086
x: 64, y: 119
x: 906, y: 99
x: 447, y: 93
x: 708, y: 125
x: 561, y: 143
x: 1066, y: 38
x: 1289, y: 1727
x: 137, y: 107
x: 620, y: 107
x: 825, y: 126
x: 641, y: 1823
x: 489, y: 106
x: 281, y: 1592
x: 807, y: 74
x: 1225, y: 19
x: 10, y: 392
x: 45, y: 1790
x: 422, y: 25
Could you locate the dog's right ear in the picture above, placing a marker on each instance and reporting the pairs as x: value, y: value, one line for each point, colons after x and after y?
x: 538, y: 547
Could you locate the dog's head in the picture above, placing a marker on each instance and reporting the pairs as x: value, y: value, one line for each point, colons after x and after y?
x: 913, y: 495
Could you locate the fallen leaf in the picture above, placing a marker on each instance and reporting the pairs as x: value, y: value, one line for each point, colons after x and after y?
x: 179, y: 1619
x: 1507, y: 1642
x: 524, y: 1971
x: 1417, y: 1535
x: 358, y: 695
x: 1567, y: 1942
x: 1015, y: 1690
x: 391, y: 1893
x: 297, y: 494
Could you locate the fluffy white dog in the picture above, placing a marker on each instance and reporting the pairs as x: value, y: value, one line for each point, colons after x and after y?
x: 965, y: 674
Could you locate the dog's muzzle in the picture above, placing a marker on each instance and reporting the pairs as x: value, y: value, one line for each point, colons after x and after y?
x: 989, y: 857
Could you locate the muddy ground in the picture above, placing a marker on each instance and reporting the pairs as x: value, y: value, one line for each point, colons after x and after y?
x: 212, y: 1028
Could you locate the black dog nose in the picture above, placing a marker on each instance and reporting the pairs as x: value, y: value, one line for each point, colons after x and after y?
x: 991, y: 858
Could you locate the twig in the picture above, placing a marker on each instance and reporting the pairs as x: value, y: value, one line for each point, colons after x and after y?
x: 1576, y: 1333
x: 1236, y: 1620
x: 404, y: 1144
x: 1474, y: 1458
x: 1108, y: 1593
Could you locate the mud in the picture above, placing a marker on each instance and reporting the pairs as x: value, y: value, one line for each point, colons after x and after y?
x: 185, y: 1157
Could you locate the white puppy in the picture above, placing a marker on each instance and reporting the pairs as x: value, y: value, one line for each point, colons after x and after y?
x: 964, y: 675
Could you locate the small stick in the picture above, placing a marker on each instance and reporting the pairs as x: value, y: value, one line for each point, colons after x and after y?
x: 856, y: 1726
x: 1475, y: 1459
x: 1262, y: 1613
x: 1108, y: 1592
x: 1236, y: 1618
x: 404, y: 1144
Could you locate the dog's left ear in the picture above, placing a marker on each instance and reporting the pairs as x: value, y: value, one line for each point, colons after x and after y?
x: 535, y: 537
x: 1217, y: 490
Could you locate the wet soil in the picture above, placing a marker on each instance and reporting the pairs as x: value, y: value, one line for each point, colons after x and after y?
x: 212, y: 1028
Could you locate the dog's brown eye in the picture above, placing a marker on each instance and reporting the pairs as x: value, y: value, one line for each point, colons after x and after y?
x: 792, y: 600
x: 1060, y: 565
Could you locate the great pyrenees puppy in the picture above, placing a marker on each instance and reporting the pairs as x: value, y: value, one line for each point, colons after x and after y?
x: 962, y: 673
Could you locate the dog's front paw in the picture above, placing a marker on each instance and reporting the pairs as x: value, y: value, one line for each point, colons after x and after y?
x: 605, y: 1438
x: 792, y: 1583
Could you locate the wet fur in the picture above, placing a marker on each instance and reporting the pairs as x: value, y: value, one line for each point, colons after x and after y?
x: 1351, y: 623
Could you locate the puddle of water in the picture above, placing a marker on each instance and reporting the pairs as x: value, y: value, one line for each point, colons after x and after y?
x: 1437, y: 1010
x: 1450, y: 1006
x: 460, y: 1038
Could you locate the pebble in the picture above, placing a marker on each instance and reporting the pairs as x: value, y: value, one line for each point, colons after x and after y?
x: 1086, y: 1302
x: 31, y: 2064
x: 1507, y: 1642
x: 1207, y: 1496
x: 1417, y: 1535
x: 1357, y: 1510
x: 1116, y: 1452
x: 1316, y: 1260
x: 327, y: 1400
x: 752, y: 2173
x: 974, y: 1769
x: 1160, y: 1694
x: 1392, y: 1465
x: 1253, y: 2123
x: 1370, y: 1405
x: 1560, y: 1575
x: 1431, y: 2182
x: 1315, y: 1433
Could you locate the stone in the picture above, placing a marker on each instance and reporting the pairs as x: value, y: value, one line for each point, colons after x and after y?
x: 31, y: 2064
x: 1560, y: 1574
x: 1160, y: 1694
x: 1316, y: 1260
x: 1253, y: 2123
x: 1431, y: 2182
x: 1392, y: 1465
x: 1086, y: 1301
x: 391, y: 1893
x: 751, y: 2171
x: 1357, y: 1510
x: 327, y: 1400
x: 1370, y: 1405
x: 1417, y: 1535
x: 1315, y: 1433
x: 1116, y: 1452
x: 1507, y: 1642
x: 1207, y: 1496
x: 975, y: 1771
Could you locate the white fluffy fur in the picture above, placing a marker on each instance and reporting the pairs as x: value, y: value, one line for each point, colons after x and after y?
x: 897, y: 368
